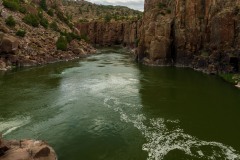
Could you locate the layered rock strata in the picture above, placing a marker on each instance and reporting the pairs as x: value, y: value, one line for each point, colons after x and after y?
x: 112, y: 33
x: 203, y: 34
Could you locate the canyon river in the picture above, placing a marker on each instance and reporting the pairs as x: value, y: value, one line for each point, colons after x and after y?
x: 107, y: 107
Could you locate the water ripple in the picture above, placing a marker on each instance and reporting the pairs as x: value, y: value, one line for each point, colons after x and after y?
x: 161, y: 140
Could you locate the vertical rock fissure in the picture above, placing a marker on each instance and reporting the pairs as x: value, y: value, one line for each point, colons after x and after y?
x: 173, y: 53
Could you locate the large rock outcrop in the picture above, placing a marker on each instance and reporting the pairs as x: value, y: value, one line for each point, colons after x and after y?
x: 8, y: 44
x: 112, y: 33
x: 26, y: 150
x: 202, y: 33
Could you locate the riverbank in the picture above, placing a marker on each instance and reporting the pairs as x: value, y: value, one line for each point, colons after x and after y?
x: 34, y: 37
x: 233, y: 78
x: 77, y: 49
x: 26, y: 149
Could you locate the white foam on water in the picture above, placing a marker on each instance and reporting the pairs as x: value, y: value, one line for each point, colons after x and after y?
x: 161, y: 140
x: 11, y: 125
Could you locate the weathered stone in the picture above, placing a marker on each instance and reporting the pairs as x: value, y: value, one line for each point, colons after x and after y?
x: 113, y: 33
x: 238, y: 85
x: 179, y: 30
x: 41, y: 152
x: 27, y: 150
x: 8, y: 44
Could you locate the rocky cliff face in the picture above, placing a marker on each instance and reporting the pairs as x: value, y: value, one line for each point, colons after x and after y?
x: 112, y: 33
x: 38, y: 45
x: 202, y: 34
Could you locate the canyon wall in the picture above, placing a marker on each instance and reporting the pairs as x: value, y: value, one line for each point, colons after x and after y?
x: 203, y: 34
x: 111, y: 33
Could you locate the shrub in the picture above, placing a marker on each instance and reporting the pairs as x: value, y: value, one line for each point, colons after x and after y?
x: 40, y: 14
x: 11, y: 4
x: 62, y: 17
x: 85, y: 37
x: 107, y: 18
x: 44, y: 22
x: 22, y: 10
x: 62, y: 43
x: 169, y: 11
x: 43, y: 5
x: 54, y: 26
x: 10, y: 21
x: 31, y: 19
x: 162, y: 5
x: 20, y: 33
x: 50, y: 12
x: 82, y: 20
x: 70, y: 36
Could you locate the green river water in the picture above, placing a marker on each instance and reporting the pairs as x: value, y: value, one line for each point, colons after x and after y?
x: 107, y: 107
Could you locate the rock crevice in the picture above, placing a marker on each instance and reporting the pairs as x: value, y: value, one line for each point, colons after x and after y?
x: 201, y: 34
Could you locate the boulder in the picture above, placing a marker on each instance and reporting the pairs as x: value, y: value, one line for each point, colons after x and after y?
x: 27, y: 150
x: 238, y: 85
x: 8, y: 44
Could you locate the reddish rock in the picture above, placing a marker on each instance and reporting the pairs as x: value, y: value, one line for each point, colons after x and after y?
x: 112, y: 33
x: 8, y: 44
x: 27, y: 150
x: 180, y: 30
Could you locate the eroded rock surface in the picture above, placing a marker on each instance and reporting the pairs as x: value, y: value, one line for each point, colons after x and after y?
x: 26, y: 150
x: 202, y: 34
x: 8, y: 44
x: 112, y: 33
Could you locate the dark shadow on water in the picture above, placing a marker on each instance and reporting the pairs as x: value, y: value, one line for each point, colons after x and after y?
x: 206, y: 106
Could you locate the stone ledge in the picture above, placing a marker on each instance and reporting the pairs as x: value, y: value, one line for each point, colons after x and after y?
x: 26, y: 149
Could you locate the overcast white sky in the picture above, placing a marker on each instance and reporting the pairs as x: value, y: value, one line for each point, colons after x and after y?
x: 135, y: 4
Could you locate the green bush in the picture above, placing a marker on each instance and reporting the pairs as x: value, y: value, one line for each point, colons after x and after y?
x: 50, y: 12
x: 169, y: 11
x: 62, y: 17
x: 10, y: 21
x: 11, y: 4
x: 43, y: 5
x: 62, y: 43
x: 21, y: 33
x: 22, y: 10
x: 44, y: 22
x: 70, y: 36
x: 40, y: 14
x: 32, y: 20
x: 54, y: 26
x: 107, y: 18
x: 85, y: 37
